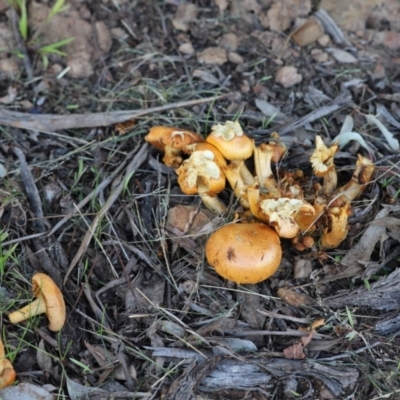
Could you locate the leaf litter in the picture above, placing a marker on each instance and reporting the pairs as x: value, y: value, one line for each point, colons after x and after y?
x: 101, y: 214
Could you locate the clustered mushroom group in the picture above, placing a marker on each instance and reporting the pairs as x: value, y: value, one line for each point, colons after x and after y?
x: 277, y: 200
x: 49, y: 301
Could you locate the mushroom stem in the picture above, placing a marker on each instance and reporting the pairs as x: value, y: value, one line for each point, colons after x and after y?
x: 361, y: 177
x: 213, y: 203
x: 323, y: 165
x: 253, y: 196
x: 262, y: 158
x: 246, y: 175
x: 336, y: 232
x: 232, y: 174
x: 37, y: 307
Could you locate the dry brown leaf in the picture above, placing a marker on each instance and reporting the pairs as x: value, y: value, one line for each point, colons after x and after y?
x: 213, y: 55
x: 291, y: 297
x: 186, y: 48
x: 295, y: 351
x: 283, y: 12
x: 342, y: 56
x: 43, y: 357
x: 361, y: 252
x: 185, y: 13
x: 188, y: 219
x: 288, y: 76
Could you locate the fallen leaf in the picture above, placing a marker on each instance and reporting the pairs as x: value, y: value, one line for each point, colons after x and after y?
x: 295, y: 351
x: 25, y: 391
x: 341, y: 56
x: 213, y: 55
x: 229, y: 41
x: 283, y: 12
x: 185, y: 13
x: 43, y: 358
x: 186, y: 48
x: 77, y: 391
x: 288, y: 76
x: 392, y: 142
x: 291, y: 297
x: 206, y: 76
x: 188, y: 219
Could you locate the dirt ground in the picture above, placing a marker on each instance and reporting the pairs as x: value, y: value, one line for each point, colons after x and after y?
x: 86, y: 200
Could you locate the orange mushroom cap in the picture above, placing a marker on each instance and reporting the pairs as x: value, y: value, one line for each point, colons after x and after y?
x: 171, y: 141
x: 230, y: 140
x: 7, y: 372
x: 200, y: 174
x: 244, y: 253
x: 49, y: 300
x: 202, y: 146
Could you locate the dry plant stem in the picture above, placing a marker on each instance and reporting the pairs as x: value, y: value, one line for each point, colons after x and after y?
x: 50, y: 122
x: 31, y: 189
x: 37, y: 307
x: 138, y: 160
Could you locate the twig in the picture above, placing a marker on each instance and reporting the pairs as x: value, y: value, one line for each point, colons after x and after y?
x: 288, y: 332
x: 350, y: 353
x: 50, y: 122
x: 272, y: 314
x: 331, y: 27
x: 31, y: 189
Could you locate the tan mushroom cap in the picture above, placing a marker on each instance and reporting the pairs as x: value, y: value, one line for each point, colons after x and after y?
x: 244, y: 253
x: 202, y: 146
x: 230, y: 140
x: 49, y: 300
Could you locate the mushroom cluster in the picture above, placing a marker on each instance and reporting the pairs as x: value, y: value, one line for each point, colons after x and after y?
x: 277, y: 200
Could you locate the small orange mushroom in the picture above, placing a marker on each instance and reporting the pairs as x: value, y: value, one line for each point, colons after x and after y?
x: 322, y: 161
x: 171, y: 141
x: 49, y: 300
x: 7, y: 372
x: 361, y: 177
x: 244, y: 253
x: 234, y: 145
x: 200, y: 174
